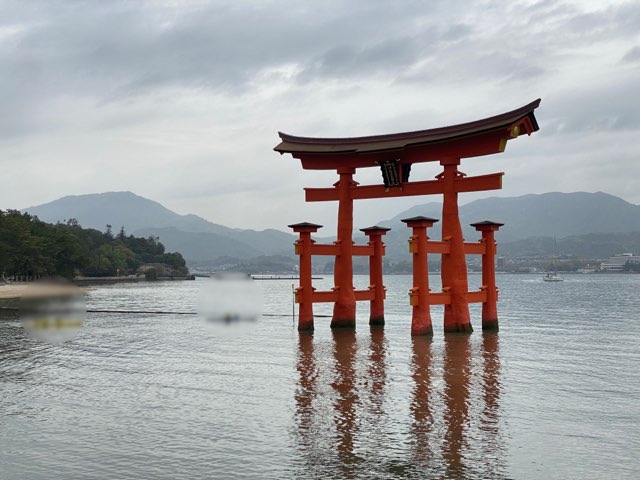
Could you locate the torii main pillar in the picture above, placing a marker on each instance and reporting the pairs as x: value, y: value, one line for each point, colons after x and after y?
x: 344, y: 309
x: 454, y: 264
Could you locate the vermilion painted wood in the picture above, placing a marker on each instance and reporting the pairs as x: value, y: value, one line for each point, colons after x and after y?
x: 304, y: 292
x: 478, y: 183
x: 344, y: 309
x: 448, y: 145
x: 474, y: 248
x: 454, y: 266
x: 376, y: 310
x: 323, y: 249
x: 490, y: 306
x: 419, y: 294
x: 480, y: 137
x: 478, y: 296
x: 364, y: 251
x: 329, y: 296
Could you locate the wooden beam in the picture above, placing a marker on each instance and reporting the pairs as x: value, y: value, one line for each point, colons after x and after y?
x: 364, y: 295
x: 442, y: 298
x: 333, y: 249
x: 324, y: 249
x: 438, y: 247
x: 363, y: 156
x: 362, y: 250
x: 474, y: 248
x: 479, y: 183
x: 492, y: 181
x: 324, y: 297
x: 477, y: 297
x: 329, y: 296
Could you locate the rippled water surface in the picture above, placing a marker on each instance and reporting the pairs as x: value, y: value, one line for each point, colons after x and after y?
x: 555, y: 394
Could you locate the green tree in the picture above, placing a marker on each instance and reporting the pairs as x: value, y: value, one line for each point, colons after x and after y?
x: 30, y: 247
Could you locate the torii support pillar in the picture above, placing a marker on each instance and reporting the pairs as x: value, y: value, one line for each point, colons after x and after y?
x: 454, y: 264
x: 419, y: 294
x: 375, y: 233
x: 304, y: 292
x: 490, y: 307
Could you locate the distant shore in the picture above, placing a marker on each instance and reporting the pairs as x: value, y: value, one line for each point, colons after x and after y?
x: 128, y: 279
x: 20, y: 289
x: 13, y: 290
x: 26, y: 289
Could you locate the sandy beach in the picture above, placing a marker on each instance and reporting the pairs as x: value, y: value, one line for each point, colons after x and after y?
x: 19, y: 290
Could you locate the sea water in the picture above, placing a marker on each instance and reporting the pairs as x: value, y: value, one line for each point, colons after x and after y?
x: 555, y: 394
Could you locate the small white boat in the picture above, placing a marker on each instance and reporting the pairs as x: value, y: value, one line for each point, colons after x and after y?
x: 552, y: 277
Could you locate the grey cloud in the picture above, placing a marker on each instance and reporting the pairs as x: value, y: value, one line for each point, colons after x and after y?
x: 633, y: 55
x: 535, y: 40
x: 460, y: 67
x: 547, y: 11
x: 626, y: 18
x: 587, y: 24
x: 390, y: 56
x: 386, y: 57
x: 110, y: 52
x: 152, y: 86
x: 614, y: 22
x: 456, y: 32
x: 566, y: 21
x: 115, y: 51
x: 125, y: 49
x: 593, y: 109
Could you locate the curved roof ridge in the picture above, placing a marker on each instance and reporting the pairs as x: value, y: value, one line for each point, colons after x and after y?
x: 451, y: 129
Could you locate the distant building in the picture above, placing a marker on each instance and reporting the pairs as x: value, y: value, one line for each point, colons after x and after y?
x: 587, y: 269
x: 618, y: 262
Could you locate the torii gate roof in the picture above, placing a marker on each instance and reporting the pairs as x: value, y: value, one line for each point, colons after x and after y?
x: 481, y: 137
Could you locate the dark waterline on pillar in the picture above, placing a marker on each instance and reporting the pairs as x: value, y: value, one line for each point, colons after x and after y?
x: 458, y: 329
x: 343, y: 323
x: 490, y: 325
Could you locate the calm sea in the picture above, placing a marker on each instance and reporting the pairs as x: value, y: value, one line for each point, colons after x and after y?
x: 555, y: 395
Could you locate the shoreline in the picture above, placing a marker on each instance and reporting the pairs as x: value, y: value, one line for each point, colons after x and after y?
x: 15, y: 290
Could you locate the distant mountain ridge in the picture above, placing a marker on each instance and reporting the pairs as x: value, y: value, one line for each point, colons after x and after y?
x: 526, y: 217
x: 532, y: 215
x: 118, y: 209
x: 548, y: 215
x: 590, y: 245
x: 193, y: 236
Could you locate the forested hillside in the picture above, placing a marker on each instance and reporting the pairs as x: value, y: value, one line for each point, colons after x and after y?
x: 30, y: 247
x: 196, y: 238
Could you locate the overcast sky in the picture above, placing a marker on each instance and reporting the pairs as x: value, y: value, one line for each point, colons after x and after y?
x: 181, y: 101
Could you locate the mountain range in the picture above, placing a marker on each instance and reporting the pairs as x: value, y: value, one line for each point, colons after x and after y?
x: 536, y: 219
x: 598, y: 223
x: 196, y: 238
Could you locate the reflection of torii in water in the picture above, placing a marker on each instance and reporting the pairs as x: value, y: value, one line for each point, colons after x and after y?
x: 395, y: 154
x: 338, y: 415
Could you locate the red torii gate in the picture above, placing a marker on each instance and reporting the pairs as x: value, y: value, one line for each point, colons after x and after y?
x: 395, y: 154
